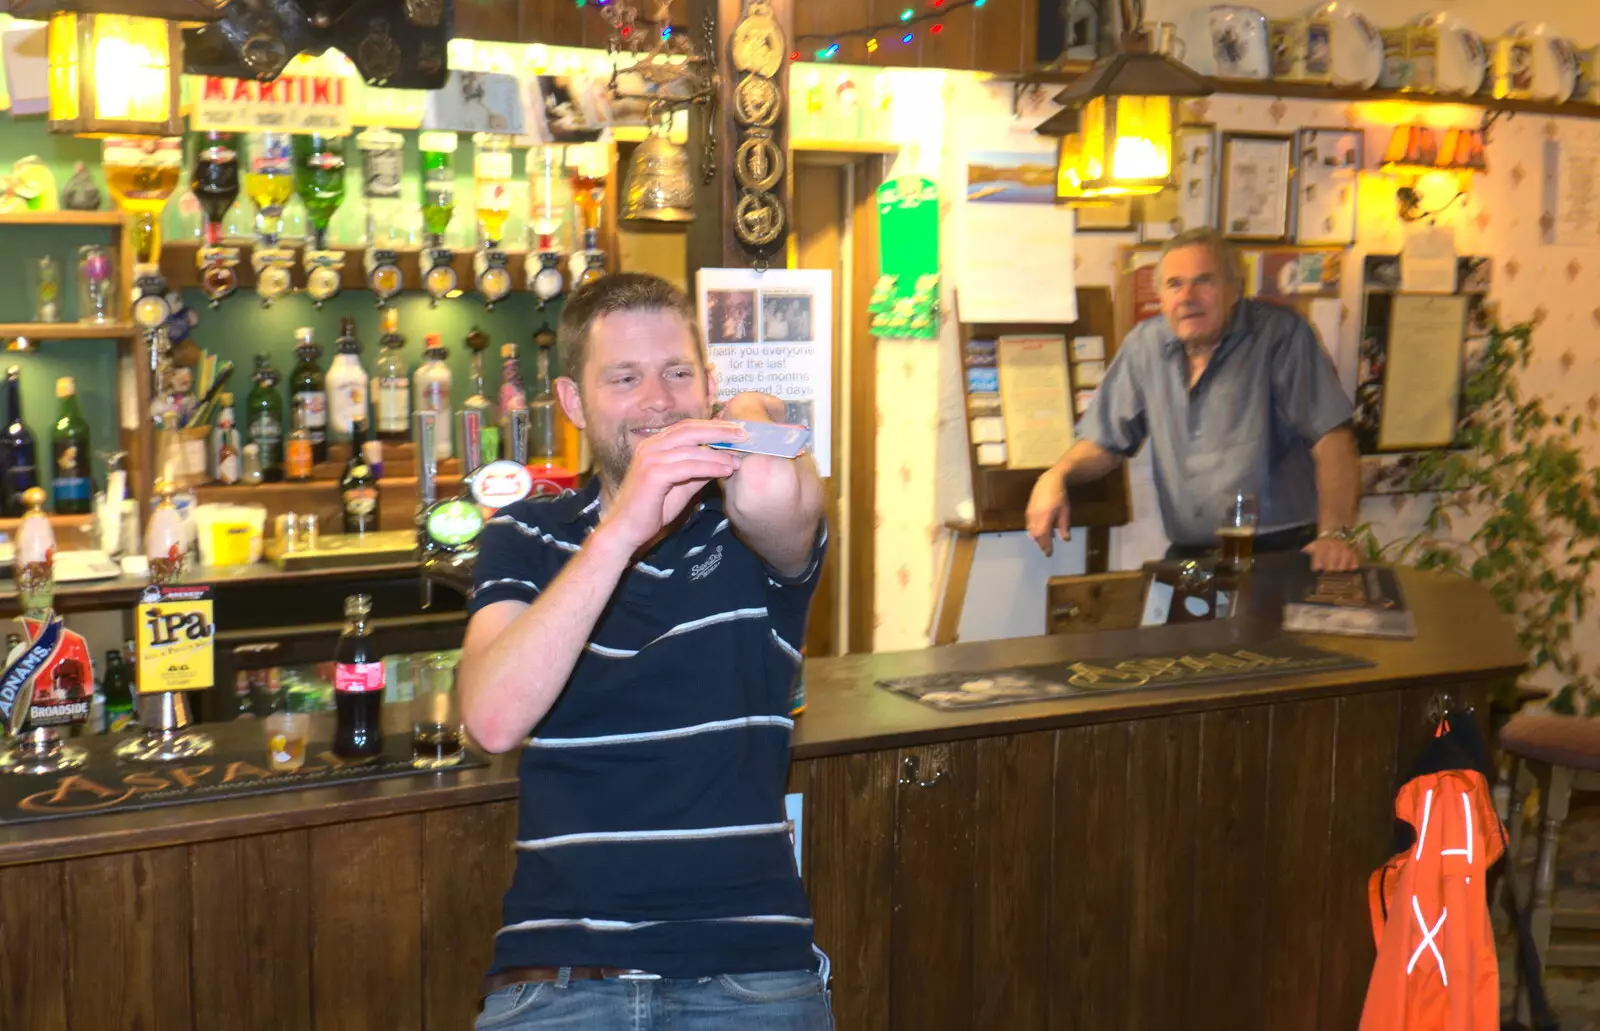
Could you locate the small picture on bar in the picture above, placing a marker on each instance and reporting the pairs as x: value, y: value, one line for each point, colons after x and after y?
x: 731, y: 316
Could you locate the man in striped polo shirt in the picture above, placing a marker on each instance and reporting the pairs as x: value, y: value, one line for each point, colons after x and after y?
x: 639, y: 639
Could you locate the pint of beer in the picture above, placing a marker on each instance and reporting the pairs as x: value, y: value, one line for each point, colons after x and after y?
x: 1236, y: 537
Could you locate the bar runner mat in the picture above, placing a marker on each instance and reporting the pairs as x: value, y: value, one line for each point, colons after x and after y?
x: 234, y: 769
x: 1074, y: 679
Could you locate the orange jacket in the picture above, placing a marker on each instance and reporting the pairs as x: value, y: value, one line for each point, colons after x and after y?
x: 1436, y: 967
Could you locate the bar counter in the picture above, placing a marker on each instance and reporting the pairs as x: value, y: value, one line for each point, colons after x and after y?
x: 1185, y: 856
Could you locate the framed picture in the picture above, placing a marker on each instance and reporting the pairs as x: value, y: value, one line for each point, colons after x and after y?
x: 1115, y: 216
x: 1255, y: 186
x: 1192, y: 202
x: 1329, y: 163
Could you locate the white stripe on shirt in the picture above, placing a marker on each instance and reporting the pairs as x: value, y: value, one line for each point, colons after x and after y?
x: 661, y: 735
x: 628, y: 837
x: 592, y: 924
x: 533, y: 531
x: 502, y: 581
x: 787, y: 648
x: 681, y: 628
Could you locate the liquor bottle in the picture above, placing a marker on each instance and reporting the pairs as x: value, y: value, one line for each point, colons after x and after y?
x: 433, y: 392
x: 391, y: 382
x: 358, y: 682
x: 142, y: 172
x: 382, y: 165
x: 491, y: 173
x: 347, y: 384
x: 299, y: 451
x: 21, y: 470
x: 438, y: 183
x: 225, y: 444
x: 513, y: 394
x: 319, y: 181
x: 72, y: 483
x: 306, y: 386
x: 264, y: 419
x: 488, y: 443
x: 545, y: 441
x: 215, y: 180
x: 117, y: 687
x: 269, y: 180
x: 358, y: 488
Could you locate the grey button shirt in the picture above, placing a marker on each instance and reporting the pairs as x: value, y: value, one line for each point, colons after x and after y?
x: 1268, y: 394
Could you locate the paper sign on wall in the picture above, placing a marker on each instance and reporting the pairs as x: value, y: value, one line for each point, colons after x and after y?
x: 175, y: 637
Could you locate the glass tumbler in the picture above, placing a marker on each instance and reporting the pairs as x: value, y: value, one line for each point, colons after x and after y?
x: 436, y: 732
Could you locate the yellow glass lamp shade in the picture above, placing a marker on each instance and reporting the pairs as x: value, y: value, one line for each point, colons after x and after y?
x: 1462, y: 151
x: 1123, y: 149
x: 113, y: 74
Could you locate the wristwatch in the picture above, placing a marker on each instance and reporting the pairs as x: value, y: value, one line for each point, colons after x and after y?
x: 1342, y: 534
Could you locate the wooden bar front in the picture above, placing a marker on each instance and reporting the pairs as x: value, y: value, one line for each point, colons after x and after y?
x: 1190, y: 857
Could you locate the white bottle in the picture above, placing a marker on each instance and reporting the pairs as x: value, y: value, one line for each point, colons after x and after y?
x: 225, y: 444
x: 346, y: 383
x: 432, y: 379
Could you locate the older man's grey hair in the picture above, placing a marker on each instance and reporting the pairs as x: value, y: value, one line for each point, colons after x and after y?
x: 1205, y: 236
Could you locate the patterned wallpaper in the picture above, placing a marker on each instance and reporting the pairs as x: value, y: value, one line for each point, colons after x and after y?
x: 921, y: 459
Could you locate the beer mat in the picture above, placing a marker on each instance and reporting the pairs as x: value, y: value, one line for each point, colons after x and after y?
x: 951, y: 691
x: 237, y: 767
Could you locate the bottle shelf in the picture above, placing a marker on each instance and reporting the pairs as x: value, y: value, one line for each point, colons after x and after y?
x: 110, y: 219
x: 68, y: 330
x: 178, y: 267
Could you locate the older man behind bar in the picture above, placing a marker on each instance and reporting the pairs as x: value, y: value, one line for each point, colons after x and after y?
x: 1233, y: 395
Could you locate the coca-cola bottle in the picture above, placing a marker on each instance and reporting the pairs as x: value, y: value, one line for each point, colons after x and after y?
x: 358, y: 685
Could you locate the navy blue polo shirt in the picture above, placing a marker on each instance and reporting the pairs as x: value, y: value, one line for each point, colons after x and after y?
x: 652, y: 833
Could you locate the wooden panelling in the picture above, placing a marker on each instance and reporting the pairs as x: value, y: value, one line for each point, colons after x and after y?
x: 891, y: 53
x: 1363, y: 814
x: 849, y: 867
x: 490, y: 19
x: 1089, y: 888
x: 128, y: 941
x: 1229, y: 864
x: 954, y: 45
x: 1014, y: 822
x: 1299, y: 814
x: 1003, y: 36
x: 33, y: 994
x: 250, y: 913
x: 366, y: 940
x: 1162, y: 775
x: 467, y: 859
x: 931, y: 972
x: 863, y: 356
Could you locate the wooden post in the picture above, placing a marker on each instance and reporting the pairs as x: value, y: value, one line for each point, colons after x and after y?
x: 712, y: 243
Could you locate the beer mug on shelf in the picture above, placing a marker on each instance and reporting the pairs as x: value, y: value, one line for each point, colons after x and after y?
x: 1236, y: 537
x: 436, y: 733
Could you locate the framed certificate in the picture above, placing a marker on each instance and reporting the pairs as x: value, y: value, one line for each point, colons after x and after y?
x: 1255, y: 186
x: 1328, y: 165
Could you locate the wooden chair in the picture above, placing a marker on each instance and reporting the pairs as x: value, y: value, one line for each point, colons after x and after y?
x: 1561, y: 754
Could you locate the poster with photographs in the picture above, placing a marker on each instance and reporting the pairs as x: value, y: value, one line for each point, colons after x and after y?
x: 1190, y: 203
x: 475, y: 102
x: 1255, y: 186
x: 772, y: 332
x: 1326, y: 186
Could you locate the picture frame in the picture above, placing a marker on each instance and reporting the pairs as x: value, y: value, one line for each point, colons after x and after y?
x: 1255, y: 186
x: 1115, y: 216
x: 1328, y: 164
x: 1192, y: 202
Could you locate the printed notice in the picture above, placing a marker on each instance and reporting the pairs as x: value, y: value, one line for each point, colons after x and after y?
x: 1571, y: 194
x: 1035, y: 399
x: 1422, y: 379
x: 772, y: 332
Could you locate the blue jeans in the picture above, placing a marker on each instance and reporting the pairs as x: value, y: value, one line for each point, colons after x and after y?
x: 786, y: 1000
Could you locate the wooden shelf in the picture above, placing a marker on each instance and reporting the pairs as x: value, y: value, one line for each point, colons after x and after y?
x: 868, y: 147
x: 67, y: 330
x: 112, y: 219
x: 1325, y: 91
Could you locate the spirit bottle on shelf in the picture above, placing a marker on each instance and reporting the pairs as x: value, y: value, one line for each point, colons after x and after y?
x: 433, y: 393
x: 215, y: 180
x: 382, y: 165
x: 319, y: 181
x: 306, y: 387
x: 71, y: 481
x: 17, y: 449
x: 491, y: 173
x: 142, y: 172
x: 358, y: 488
x: 264, y: 419
x: 347, y: 384
x: 269, y: 181
x: 391, y: 382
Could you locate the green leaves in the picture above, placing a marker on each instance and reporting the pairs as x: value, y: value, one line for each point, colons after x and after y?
x: 1531, y: 505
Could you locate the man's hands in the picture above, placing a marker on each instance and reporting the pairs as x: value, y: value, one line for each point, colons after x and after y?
x: 1049, y: 511
x: 668, y: 469
x: 753, y: 406
x: 1331, y: 555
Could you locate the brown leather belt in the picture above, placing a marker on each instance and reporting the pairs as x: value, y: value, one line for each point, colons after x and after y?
x: 527, y: 975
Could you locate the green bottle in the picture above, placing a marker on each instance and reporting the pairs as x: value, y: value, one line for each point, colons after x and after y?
x: 72, y: 483
x: 438, y: 183
x: 263, y: 418
x: 117, y: 687
x: 319, y: 180
x: 308, y: 389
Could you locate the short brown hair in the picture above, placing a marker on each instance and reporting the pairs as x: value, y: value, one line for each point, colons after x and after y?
x: 1221, y: 249
x: 619, y: 292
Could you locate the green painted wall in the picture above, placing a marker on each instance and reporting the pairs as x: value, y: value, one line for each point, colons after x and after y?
x: 240, y: 328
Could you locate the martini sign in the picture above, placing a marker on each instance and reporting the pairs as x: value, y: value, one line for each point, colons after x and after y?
x: 289, y: 103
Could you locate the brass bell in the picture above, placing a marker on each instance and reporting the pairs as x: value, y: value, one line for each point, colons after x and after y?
x: 659, y: 188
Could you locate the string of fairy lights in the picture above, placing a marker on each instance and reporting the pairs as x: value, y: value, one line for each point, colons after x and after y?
x: 903, y: 29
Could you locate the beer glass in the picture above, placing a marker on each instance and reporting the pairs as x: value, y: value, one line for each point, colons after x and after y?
x: 435, y: 717
x: 1236, y: 536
